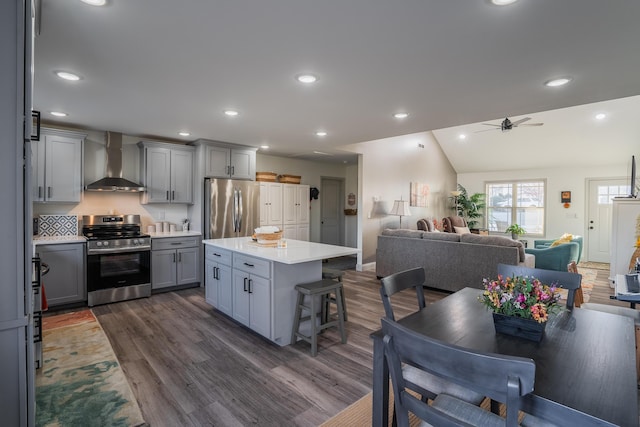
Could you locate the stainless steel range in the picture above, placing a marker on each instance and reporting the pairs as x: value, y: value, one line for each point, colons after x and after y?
x: 118, y: 258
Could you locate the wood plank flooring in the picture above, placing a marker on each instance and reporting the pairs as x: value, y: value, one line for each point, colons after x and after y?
x: 190, y: 365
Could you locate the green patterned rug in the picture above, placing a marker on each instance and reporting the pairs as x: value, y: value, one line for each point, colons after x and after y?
x: 81, y: 382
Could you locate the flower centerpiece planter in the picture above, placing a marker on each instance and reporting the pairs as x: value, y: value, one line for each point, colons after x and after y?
x: 519, y: 327
x: 520, y: 305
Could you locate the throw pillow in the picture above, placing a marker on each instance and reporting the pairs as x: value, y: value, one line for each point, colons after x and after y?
x: 565, y: 238
x: 461, y: 230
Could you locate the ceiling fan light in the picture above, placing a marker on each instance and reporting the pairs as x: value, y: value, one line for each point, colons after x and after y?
x: 321, y: 133
x: 307, y: 78
x: 601, y: 116
x: 401, y: 115
x: 231, y: 113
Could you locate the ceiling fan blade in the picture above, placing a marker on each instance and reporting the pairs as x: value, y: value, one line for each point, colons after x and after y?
x: 517, y: 122
x: 491, y: 124
x: 498, y: 128
x: 533, y: 124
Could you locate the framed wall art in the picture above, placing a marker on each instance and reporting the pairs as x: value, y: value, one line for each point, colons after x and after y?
x: 418, y: 195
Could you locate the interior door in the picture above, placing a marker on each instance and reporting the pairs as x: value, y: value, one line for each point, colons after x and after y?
x: 601, y: 192
x: 331, y: 211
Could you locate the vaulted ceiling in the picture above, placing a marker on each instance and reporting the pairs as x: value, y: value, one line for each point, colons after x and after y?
x: 158, y: 67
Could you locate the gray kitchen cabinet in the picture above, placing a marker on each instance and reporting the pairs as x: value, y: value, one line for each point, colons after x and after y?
x: 56, y: 166
x: 175, y: 261
x: 66, y: 281
x: 167, y: 172
x: 218, y: 285
x: 252, y: 293
x: 226, y: 161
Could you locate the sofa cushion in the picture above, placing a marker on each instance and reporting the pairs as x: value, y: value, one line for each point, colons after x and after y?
x: 449, y: 237
x: 495, y: 241
x: 451, y: 221
x: 403, y: 232
x: 461, y: 230
x: 425, y: 224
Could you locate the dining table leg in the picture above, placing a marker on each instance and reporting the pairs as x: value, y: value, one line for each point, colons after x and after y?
x: 380, y: 415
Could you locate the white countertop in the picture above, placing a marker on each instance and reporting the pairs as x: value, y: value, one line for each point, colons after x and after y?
x: 53, y: 240
x: 162, y: 235
x: 297, y: 251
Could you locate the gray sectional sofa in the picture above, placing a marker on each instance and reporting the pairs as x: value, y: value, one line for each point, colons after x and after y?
x: 451, y: 261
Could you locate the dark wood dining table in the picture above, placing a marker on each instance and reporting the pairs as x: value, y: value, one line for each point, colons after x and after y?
x: 585, y: 361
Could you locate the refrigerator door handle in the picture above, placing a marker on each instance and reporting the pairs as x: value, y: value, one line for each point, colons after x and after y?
x: 240, y: 212
x: 235, y: 210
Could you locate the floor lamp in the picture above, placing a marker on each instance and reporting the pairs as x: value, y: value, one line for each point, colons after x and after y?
x: 400, y: 208
x: 455, y: 194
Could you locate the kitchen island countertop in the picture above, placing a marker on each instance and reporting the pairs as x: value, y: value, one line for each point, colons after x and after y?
x: 296, y: 252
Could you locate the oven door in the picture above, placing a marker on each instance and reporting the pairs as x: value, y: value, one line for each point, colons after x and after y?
x: 119, y: 269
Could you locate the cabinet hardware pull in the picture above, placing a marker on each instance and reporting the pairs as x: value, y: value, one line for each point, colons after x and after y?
x: 39, y: 191
x: 228, y: 170
x: 49, y: 192
x: 245, y: 284
x: 173, y: 195
x: 167, y: 194
x: 217, y: 254
x: 215, y: 273
x: 233, y: 170
x: 174, y: 257
x: 250, y: 284
x: 249, y: 265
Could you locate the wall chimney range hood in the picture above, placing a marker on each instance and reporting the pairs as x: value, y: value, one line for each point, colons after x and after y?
x: 114, y: 180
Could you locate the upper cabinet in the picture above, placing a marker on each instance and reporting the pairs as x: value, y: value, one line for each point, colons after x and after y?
x: 167, y: 172
x: 227, y: 161
x: 56, y: 166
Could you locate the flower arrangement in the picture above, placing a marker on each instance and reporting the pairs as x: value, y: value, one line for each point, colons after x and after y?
x: 517, y: 296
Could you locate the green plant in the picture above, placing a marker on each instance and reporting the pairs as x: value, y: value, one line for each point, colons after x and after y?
x: 470, y: 207
x: 515, y: 230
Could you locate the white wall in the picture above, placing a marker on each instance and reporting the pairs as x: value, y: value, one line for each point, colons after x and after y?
x: 387, y: 167
x: 558, y: 219
x: 311, y: 173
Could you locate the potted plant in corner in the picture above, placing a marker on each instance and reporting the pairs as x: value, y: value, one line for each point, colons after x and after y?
x: 515, y: 231
x: 470, y: 207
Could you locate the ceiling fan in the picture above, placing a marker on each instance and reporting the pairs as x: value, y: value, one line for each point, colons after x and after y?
x: 507, y: 125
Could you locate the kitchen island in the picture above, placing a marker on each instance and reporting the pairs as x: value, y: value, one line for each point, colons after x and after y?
x: 254, y: 284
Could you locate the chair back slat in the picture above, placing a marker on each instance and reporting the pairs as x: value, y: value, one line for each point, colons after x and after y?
x: 394, y: 283
x: 569, y: 281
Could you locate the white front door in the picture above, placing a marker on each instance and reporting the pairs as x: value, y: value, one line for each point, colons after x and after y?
x: 601, y: 192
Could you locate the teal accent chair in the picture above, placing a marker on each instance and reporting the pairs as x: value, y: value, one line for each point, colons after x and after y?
x: 542, y: 244
x: 555, y: 258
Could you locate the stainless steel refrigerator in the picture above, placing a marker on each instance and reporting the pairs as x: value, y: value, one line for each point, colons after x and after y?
x: 231, y: 208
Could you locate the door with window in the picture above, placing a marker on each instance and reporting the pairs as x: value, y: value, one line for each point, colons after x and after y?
x: 601, y: 194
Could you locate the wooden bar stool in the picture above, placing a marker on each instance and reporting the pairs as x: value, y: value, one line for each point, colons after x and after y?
x: 330, y: 273
x: 322, y: 290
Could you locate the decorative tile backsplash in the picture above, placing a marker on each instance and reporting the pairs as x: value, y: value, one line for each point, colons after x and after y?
x: 58, y: 225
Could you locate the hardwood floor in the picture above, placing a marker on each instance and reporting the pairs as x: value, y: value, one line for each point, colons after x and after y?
x: 189, y: 365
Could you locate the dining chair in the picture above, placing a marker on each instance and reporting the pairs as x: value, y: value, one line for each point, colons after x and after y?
x: 504, y: 379
x: 572, y: 267
x: 565, y: 280
x: 427, y: 385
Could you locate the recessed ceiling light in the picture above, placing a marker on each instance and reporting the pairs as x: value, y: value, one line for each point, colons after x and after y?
x: 95, y: 2
x: 600, y: 116
x: 558, y: 82
x: 264, y: 147
x: 401, y: 115
x: 306, y: 78
x: 502, y: 2
x: 67, y: 76
x: 462, y: 136
x: 231, y: 113
x: 321, y: 133
x: 58, y: 114
x: 184, y: 133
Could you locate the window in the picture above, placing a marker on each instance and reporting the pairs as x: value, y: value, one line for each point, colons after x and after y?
x: 520, y: 202
x: 606, y: 193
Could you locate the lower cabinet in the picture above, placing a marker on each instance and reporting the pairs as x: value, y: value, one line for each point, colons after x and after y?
x: 175, y: 261
x: 251, y: 303
x: 218, y: 284
x: 65, y: 283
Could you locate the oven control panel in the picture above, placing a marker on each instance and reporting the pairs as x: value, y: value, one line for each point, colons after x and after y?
x: 118, y: 245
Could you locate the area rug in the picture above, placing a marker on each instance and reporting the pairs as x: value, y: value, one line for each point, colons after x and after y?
x: 81, y: 382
